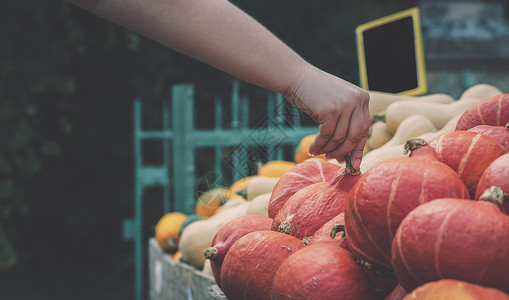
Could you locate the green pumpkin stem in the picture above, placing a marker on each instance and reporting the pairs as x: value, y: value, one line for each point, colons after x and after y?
x: 379, y: 117
x: 242, y: 193
x: 306, y: 240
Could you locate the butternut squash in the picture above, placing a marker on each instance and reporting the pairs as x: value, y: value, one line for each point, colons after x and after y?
x: 259, y: 205
x: 439, y: 114
x: 379, y: 155
x: 231, y: 204
x: 366, y: 149
x: 450, y: 126
x: 390, y: 150
x: 411, y: 126
x: 481, y: 91
x: 199, y: 235
x: 378, y: 135
x: 259, y: 185
x: 379, y: 101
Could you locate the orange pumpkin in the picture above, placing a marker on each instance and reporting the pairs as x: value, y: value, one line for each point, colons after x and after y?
x: 302, y: 151
x: 239, y: 185
x: 450, y: 289
x: 275, y: 168
x: 167, y: 231
x: 210, y: 201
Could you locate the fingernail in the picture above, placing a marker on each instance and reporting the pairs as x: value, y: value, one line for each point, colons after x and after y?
x: 357, y: 163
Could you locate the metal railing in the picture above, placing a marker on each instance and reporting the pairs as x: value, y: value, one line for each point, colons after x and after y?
x: 177, y: 175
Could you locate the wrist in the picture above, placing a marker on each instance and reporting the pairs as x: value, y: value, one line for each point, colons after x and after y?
x: 294, y: 91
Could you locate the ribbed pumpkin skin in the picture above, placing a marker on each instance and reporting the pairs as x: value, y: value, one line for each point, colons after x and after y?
x: 450, y: 289
x: 311, y: 207
x: 383, y: 196
x: 498, y: 133
x: 398, y: 293
x: 491, y: 111
x: 301, y: 175
x: 467, y: 153
x: 323, y: 234
x: 252, y: 261
x: 453, y: 238
x: 496, y: 174
x: 230, y: 233
x: 322, y: 271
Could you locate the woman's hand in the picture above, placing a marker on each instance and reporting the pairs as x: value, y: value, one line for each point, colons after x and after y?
x: 341, y: 109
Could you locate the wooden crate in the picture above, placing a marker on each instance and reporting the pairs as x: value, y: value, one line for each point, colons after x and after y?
x: 170, y: 280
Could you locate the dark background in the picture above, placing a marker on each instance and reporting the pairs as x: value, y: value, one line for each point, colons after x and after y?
x: 67, y: 83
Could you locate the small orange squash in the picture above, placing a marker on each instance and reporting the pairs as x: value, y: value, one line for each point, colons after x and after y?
x: 210, y: 201
x: 167, y: 231
x: 275, y: 168
x: 302, y: 151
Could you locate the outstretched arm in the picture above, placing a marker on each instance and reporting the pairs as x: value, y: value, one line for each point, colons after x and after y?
x: 218, y: 33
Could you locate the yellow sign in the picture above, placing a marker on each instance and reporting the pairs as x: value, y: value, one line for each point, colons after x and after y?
x: 391, y: 56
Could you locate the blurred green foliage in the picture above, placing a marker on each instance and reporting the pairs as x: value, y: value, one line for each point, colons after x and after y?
x: 67, y: 82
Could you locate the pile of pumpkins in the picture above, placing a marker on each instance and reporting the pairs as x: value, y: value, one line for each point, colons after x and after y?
x: 219, y: 205
x: 430, y: 222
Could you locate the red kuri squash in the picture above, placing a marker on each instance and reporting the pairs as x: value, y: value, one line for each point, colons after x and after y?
x: 468, y: 153
x: 321, y: 271
x: 451, y: 289
x: 491, y: 111
x: 301, y: 175
x: 498, y: 133
x: 383, y: 196
x: 252, y: 261
x: 331, y: 232
x: 310, y: 208
x: 229, y: 234
x: 398, y: 293
x: 497, y: 174
x: 453, y: 238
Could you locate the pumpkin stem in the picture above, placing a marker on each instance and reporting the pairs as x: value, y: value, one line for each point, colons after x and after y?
x: 338, y: 228
x: 414, y: 144
x: 495, y: 195
x: 379, y: 117
x: 507, y: 125
x: 242, y: 193
x: 284, y: 227
x: 349, y: 169
x: 306, y: 240
x: 210, y: 253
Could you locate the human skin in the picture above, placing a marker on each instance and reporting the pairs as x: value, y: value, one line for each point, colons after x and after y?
x: 218, y: 33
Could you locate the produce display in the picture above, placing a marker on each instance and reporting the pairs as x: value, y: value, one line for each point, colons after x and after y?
x: 425, y: 217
